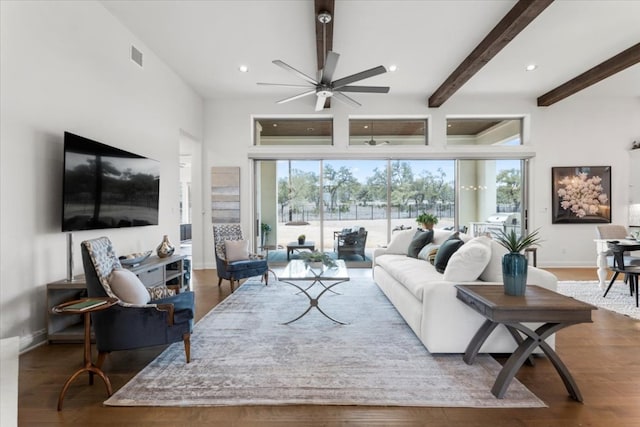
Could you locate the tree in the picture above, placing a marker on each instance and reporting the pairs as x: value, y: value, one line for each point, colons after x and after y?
x: 509, y: 188
x: 339, y: 184
x: 299, y: 189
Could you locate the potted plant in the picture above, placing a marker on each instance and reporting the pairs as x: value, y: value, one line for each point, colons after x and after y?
x: 427, y: 220
x: 514, y: 263
x: 301, y: 239
x: 266, y: 229
x: 317, y: 259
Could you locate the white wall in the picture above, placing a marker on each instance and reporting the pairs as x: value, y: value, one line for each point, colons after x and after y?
x: 65, y: 67
x: 581, y: 130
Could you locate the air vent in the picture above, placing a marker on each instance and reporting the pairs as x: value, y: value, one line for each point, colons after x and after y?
x: 136, y: 55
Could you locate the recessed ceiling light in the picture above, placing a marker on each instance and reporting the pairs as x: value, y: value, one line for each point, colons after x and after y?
x: 275, y: 125
x: 310, y: 129
x: 393, y: 68
x: 243, y: 68
x: 531, y: 67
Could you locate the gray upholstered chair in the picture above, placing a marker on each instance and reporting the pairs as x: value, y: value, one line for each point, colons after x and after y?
x: 126, y: 325
x: 351, y: 241
x: 234, y: 270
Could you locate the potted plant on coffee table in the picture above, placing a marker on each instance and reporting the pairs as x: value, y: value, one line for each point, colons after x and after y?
x: 316, y: 259
x: 514, y: 263
x: 427, y: 220
x: 301, y: 239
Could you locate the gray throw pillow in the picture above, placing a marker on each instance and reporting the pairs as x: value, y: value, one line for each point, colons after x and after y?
x: 419, y: 241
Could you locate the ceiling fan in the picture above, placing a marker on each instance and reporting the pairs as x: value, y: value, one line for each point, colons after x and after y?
x: 325, y: 87
x: 373, y: 142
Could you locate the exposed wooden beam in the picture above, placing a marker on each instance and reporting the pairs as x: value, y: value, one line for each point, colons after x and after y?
x: 611, y: 66
x: 321, y: 47
x: 521, y: 15
x: 324, y: 34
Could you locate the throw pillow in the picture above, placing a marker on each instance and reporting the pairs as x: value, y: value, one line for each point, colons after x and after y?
x: 400, y: 241
x: 420, y: 239
x: 128, y: 287
x: 467, y: 263
x: 160, y: 292
x: 428, y: 252
x: 236, y: 250
x: 447, y: 249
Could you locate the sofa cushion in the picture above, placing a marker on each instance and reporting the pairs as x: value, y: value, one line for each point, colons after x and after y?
x: 447, y: 249
x: 409, y: 272
x: 468, y: 262
x: 128, y: 287
x: 420, y: 239
x: 493, y: 271
x: 440, y: 235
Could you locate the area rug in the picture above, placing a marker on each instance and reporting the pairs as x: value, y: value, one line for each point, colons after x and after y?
x: 243, y: 354
x: 618, y: 298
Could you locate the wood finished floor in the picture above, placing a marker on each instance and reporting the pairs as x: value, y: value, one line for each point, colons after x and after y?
x: 604, y: 358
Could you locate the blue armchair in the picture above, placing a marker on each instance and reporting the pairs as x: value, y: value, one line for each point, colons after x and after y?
x: 233, y: 271
x: 127, y: 326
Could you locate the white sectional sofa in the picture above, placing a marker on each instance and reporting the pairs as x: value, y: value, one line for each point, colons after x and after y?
x: 428, y: 302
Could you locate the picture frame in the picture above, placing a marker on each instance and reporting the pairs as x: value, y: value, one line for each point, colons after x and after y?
x: 581, y: 194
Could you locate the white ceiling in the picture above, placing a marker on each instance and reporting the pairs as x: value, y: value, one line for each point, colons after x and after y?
x: 206, y: 41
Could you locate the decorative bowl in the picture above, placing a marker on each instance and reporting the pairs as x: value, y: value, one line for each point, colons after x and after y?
x: 136, y: 258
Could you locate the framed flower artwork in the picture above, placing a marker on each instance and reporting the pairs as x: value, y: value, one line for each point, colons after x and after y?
x: 581, y: 194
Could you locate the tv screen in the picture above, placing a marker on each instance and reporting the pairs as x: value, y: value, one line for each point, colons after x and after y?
x: 105, y: 187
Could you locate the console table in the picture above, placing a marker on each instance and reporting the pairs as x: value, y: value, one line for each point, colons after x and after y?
x: 538, y: 305
x: 152, y: 272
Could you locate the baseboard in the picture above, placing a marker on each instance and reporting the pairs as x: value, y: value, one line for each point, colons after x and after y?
x: 31, y: 341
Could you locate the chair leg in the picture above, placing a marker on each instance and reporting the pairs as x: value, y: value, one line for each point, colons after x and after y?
x: 219, y: 281
x: 611, y: 283
x: 186, y: 338
x: 266, y: 278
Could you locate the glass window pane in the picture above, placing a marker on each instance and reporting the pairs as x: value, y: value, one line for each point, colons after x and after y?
x: 293, y: 131
x: 388, y: 132
x: 491, y: 196
x: 354, y: 195
x: 491, y: 131
x: 419, y: 186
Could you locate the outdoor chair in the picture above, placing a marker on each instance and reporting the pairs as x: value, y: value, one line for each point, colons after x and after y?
x: 350, y: 241
x: 138, y: 319
x: 233, y: 259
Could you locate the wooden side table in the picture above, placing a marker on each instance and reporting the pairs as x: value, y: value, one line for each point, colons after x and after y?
x: 88, y: 365
x: 538, y: 305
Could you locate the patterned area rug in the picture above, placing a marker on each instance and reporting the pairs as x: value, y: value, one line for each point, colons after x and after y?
x: 618, y: 298
x: 242, y: 354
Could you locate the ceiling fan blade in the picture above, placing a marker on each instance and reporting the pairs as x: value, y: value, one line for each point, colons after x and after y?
x: 281, y: 85
x: 345, y: 99
x: 300, y: 95
x: 370, y: 89
x: 300, y: 74
x: 320, y: 102
x: 380, y: 69
x: 330, y: 65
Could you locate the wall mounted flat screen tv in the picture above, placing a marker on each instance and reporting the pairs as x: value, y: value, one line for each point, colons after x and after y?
x: 105, y: 187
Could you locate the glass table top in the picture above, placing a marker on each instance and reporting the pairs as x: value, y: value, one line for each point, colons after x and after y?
x: 297, y: 269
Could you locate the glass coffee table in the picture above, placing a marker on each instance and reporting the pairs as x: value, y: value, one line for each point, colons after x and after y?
x: 298, y: 271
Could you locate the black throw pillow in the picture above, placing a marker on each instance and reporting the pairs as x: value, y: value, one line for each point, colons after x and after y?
x: 447, y: 249
x: 419, y: 241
